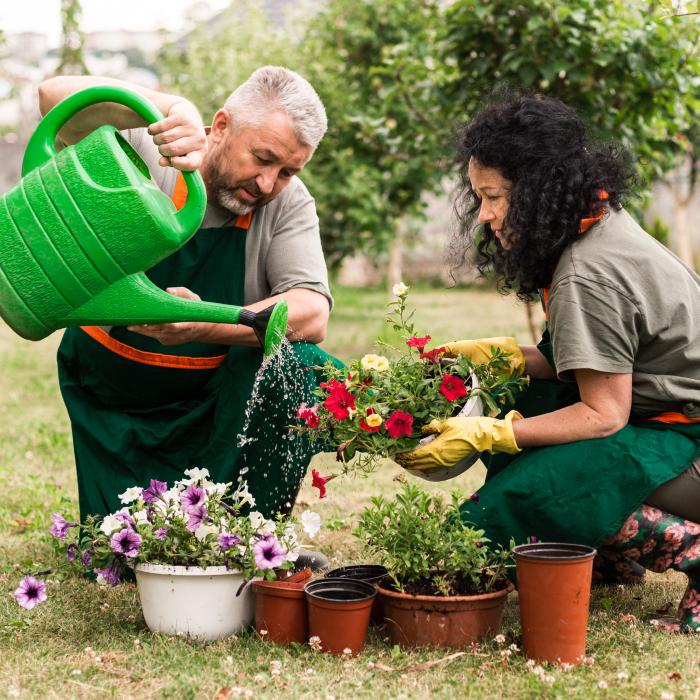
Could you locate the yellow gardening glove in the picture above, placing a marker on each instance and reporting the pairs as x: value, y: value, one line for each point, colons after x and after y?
x: 460, y: 437
x: 479, y: 350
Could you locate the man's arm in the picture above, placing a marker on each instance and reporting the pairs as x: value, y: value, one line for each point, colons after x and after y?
x: 180, y: 137
x: 308, y: 320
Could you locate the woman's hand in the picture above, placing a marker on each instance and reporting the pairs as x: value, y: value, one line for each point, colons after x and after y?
x: 479, y: 350
x: 180, y: 137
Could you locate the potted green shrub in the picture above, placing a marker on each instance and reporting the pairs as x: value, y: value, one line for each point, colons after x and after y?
x: 446, y: 586
x: 193, y: 547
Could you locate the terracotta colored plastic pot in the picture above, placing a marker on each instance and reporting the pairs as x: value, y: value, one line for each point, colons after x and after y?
x: 554, y: 588
x: 280, y: 609
x: 442, y: 621
x: 339, y: 610
x: 372, y: 573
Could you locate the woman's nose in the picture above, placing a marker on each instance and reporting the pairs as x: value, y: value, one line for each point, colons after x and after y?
x: 485, y: 213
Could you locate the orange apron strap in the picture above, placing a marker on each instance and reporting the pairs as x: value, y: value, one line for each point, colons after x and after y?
x: 671, y: 417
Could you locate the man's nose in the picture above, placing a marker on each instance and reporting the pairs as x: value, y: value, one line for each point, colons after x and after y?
x: 266, y: 180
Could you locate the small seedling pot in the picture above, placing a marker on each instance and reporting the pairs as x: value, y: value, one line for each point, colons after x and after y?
x: 372, y: 573
x: 339, y: 611
x: 554, y: 591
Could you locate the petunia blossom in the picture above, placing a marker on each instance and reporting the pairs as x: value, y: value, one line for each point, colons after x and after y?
x: 311, y: 522
x: 110, y: 523
x: 452, y: 387
x: 399, y: 289
x: 418, y: 342
x: 195, y: 516
x: 60, y: 526
x: 30, y: 592
x: 131, y: 494
x: 161, y: 533
x: 126, y: 542
x: 372, y: 422
x: 192, y: 497
x: 109, y: 575
x: 319, y: 482
x: 309, y: 414
x: 340, y: 402
x: 227, y: 540
x: 399, y: 424
x: 154, y: 491
x: 71, y: 552
x: 433, y: 355
x: 268, y: 553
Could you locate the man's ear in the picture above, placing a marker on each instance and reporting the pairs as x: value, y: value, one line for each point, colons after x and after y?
x: 220, y: 125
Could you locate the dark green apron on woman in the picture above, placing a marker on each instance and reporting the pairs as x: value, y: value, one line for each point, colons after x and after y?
x: 140, y: 410
x: 579, y: 492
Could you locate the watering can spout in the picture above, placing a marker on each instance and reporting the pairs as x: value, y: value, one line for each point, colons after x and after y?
x: 135, y: 300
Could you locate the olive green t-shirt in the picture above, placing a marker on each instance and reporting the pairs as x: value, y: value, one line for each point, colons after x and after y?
x: 620, y: 302
x: 283, y: 246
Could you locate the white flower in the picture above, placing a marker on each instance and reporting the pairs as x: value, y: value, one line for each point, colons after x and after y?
x: 623, y: 676
x: 311, y: 522
x: 292, y: 554
x: 196, y: 473
x: 499, y: 639
x: 268, y: 528
x: 131, y: 494
x: 243, y: 550
x: 665, y: 695
x: 213, y: 489
x: 399, y: 289
x: 243, y: 495
x: 378, y: 363
x: 141, y: 517
x: 101, y: 580
x: 256, y: 519
x: 602, y: 685
x: 204, y: 531
x: 110, y: 524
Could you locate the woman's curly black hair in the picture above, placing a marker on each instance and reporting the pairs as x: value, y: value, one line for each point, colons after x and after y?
x: 558, y: 173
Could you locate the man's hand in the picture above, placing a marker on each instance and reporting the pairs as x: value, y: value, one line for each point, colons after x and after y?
x: 177, y: 333
x: 180, y: 137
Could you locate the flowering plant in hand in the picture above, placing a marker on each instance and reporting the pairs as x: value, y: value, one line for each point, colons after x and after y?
x: 196, y: 522
x: 377, y: 407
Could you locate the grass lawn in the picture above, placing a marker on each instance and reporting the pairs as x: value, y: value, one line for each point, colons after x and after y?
x: 90, y: 642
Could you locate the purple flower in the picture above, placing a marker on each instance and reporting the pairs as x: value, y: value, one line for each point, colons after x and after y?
x: 30, y: 592
x: 161, y: 532
x: 474, y: 498
x: 532, y: 539
x: 71, y: 551
x: 86, y: 558
x: 479, y: 545
x: 192, y: 497
x: 154, y: 491
x: 126, y: 542
x: 227, y: 540
x: 195, y: 515
x: 123, y: 517
x: 60, y: 526
x: 269, y: 553
x: 110, y: 573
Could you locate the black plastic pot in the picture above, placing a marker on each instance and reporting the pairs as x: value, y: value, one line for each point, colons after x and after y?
x: 372, y: 573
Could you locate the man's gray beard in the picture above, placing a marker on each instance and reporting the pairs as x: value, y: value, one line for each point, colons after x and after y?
x: 230, y: 202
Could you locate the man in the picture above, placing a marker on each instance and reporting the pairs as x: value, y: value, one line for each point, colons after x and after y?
x: 149, y: 401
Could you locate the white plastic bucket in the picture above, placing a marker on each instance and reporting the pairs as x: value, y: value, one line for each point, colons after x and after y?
x: 194, y: 601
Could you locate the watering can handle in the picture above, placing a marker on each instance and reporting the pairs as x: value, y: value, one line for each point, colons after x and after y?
x: 40, y: 148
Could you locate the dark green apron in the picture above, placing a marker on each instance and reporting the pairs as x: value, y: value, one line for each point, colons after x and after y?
x: 580, y: 492
x: 133, y: 422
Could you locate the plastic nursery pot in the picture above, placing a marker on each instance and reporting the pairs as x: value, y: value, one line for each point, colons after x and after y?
x: 280, y: 609
x: 554, y: 589
x: 193, y: 601
x: 372, y: 573
x: 339, y: 611
x: 442, y: 621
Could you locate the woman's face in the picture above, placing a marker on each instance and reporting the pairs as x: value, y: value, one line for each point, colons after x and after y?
x: 494, y: 192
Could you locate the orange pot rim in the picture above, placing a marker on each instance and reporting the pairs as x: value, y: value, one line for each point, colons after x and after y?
x: 283, y: 589
x: 443, y: 598
x: 529, y: 552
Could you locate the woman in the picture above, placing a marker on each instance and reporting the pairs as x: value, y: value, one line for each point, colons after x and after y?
x: 603, y: 449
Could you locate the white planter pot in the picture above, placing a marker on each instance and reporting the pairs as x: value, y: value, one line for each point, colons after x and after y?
x: 473, y: 407
x: 194, y: 601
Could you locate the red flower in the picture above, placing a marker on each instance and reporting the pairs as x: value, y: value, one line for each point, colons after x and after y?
x: 309, y: 414
x: 416, y: 342
x: 340, y: 401
x: 453, y: 388
x: 399, y: 424
x: 319, y: 482
x: 433, y: 355
x: 369, y: 428
x: 332, y: 386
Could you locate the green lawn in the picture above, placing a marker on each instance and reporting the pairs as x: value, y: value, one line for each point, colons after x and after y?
x: 90, y: 642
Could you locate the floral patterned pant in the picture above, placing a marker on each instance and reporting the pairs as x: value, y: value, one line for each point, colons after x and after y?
x: 658, y: 541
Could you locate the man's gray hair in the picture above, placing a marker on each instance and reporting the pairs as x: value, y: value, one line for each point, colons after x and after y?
x: 273, y: 88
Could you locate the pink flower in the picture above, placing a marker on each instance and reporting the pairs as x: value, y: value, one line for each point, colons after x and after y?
x: 60, y: 526
x: 691, y: 528
x: 690, y: 599
x: 662, y: 563
x: 269, y: 553
x: 309, y: 414
x: 416, y: 342
x: 650, y: 513
x: 627, y: 531
x: 452, y: 388
x: 30, y: 592
x: 674, y: 533
x: 648, y: 546
x: 399, y: 424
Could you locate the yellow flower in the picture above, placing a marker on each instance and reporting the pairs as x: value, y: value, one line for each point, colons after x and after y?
x: 374, y: 420
x: 399, y: 289
x: 378, y: 363
x: 382, y: 364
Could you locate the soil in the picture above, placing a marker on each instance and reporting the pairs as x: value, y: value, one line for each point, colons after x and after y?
x: 459, y: 587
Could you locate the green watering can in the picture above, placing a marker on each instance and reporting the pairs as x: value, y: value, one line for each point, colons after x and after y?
x: 81, y: 226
